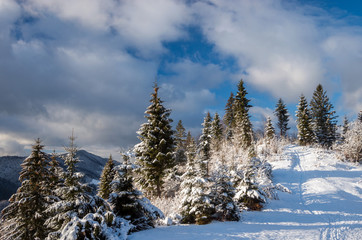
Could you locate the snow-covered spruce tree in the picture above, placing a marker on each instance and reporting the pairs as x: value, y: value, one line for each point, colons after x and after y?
x: 74, y: 203
x: 154, y: 153
x: 188, y: 181
x: 345, y: 127
x: 304, y: 125
x: 243, y: 133
x: 282, y: 115
x: 196, y: 204
x: 248, y: 195
x: 128, y: 203
x: 180, y: 139
x: 24, y: 217
x: 217, y: 133
x: 323, y: 119
x: 204, y: 147
x: 269, y: 132
x: 229, y: 118
x: 107, y: 177
x: 222, y: 195
x: 55, y: 173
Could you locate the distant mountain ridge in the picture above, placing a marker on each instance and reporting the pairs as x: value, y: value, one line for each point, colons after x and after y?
x: 90, y: 164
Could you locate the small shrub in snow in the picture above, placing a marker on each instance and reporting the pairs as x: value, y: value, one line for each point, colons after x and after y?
x: 351, y: 148
x: 100, y: 225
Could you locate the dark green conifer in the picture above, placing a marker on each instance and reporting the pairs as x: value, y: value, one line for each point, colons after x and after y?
x: 345, y: 125
x: 323, y: 119
x: 106, y: 178
x: 269, y: 131
x: 229, y: 118
x: 304, y: 125
x: 180, y: 141
x: 154, y: 153
x: 217, y: 133
x: 282, y: 115
x: 243, y: 129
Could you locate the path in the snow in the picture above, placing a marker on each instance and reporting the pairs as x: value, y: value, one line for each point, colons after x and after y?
x: 325, y: 203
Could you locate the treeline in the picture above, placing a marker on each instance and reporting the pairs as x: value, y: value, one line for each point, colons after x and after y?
x: 215, y: 177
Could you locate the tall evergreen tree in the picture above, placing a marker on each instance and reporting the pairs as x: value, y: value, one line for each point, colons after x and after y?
x: 204, y: 147
x: 269, y: 131
x: 345, y: 125
x: 154, y: 153
x: 243, y: 127
x: 323, y: 119
x: 25, y: 216
x: 74, y: 202
x: 217, y: 133
x: 180, y: 140
x: 229, y: 118
x: 55, y: 173
x: 106, y: 178
x: 281, y: 113
x: 191, y: 147
x: 305, y: 132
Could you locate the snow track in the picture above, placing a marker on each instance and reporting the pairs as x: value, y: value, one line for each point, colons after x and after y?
x: 325, y: 203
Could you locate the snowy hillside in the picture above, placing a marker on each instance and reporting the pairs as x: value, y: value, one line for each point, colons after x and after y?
x: 325, y: 203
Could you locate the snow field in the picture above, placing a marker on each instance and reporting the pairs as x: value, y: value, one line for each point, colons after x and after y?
x: 325, y: 203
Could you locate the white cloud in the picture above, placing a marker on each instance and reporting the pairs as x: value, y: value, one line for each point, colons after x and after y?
x: 276, y: 47
x: 142, y: 24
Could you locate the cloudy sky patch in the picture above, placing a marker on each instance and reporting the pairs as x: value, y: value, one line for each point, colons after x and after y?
x: 90, y: 65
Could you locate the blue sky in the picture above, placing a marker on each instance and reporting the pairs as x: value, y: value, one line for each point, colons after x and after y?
x: 90, y: 64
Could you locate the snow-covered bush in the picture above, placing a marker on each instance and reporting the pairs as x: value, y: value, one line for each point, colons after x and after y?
x: 100, y: 225
x: 351, y: 147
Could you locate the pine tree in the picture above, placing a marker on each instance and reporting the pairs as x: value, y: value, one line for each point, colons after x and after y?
x: 323, y: 119
x: 180, y: 139
x: 305, y: 132
x: 282, y: 115
x: 74, y: 203
x: 345, y: 125
x: 154, y: 153
x: 106, y: 179
x: 204, y: 147
x: 217, y: 133
x: 222, y: 195
x: 229, y: 118
x: 243, y: 128
x: 196, y: 204
x: 128, y: 203
x: 269, y: 131
x: 248, y: 194
x: 25, y: 216
x: 55, y: 173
